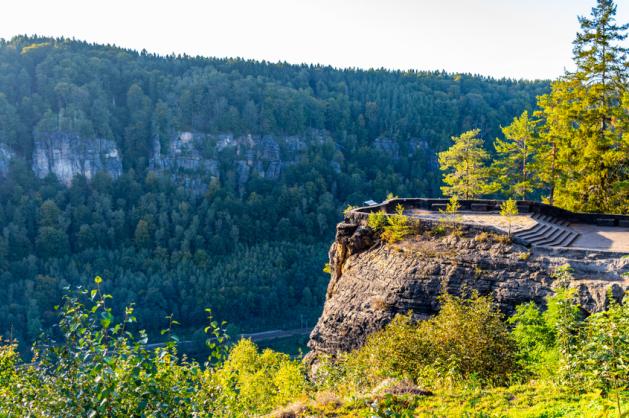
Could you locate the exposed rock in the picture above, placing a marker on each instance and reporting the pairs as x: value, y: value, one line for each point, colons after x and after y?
x: 416, y: 145
x: 388, y: 146
x: 183, y: 154
x: 66, y: 155
x: 371, y: 283
x: 193, y: 158
x: 6, y: 155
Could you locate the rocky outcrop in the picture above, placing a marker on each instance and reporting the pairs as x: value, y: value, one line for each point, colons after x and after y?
x: 185, y: 161
x: 195, y: 158
x: 371, y: 282
x: 6, y: 155
x: 66, y: 155
x: 387, y: 146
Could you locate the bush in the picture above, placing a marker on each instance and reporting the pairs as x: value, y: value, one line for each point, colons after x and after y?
x: 467, y: 339
x: 254, y: 383
x: 392, y: 228
x: 602, y: 357
x: 377, y: 220
x: 100, y: 368
x: 398, y: 226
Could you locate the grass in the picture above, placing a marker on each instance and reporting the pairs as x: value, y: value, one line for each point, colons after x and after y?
x: 532, y: 400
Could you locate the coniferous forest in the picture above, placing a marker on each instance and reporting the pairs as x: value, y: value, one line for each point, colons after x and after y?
x: 252, y: 251
x: 147, y: 199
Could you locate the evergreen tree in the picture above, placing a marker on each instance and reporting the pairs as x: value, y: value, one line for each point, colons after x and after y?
x: 512, y: 165
x: 585, y: 108
x: 464, y: 164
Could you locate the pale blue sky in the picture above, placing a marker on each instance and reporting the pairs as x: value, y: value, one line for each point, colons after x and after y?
x: 511, y: 38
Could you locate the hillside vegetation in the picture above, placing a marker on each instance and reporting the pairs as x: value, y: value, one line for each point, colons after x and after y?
x: 253, y: 252
x: 462, y: 362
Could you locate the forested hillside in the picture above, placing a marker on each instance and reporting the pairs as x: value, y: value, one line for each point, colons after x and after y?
x: 251, y: 247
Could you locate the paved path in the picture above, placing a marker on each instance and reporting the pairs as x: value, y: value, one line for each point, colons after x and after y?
x: 544, y: 230
x: 519, y: 222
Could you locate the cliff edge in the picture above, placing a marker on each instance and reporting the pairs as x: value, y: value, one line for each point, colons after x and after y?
x: 372, y: 281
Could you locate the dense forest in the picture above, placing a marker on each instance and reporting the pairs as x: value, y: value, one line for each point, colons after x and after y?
x: 95, y: 265
x: 253, y: 253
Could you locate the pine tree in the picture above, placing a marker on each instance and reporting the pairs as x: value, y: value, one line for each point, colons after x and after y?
x: 512, y: 165
x: 585, y: 112
x: 467, y: 175
x: 509, y: 210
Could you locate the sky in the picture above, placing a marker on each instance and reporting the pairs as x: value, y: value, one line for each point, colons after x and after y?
x: 529, y: 39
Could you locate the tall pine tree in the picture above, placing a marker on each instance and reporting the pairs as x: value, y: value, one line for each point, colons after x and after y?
x: 464, y: 163
x: 512, y: 165
x: 585, y: 122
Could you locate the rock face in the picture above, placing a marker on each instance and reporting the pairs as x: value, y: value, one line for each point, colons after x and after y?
x: 193, y: 158
x: 371, y: 282
x: 6, y: 155
x: 66, y: 155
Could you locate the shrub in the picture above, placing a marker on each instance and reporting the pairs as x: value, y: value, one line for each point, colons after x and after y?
x: 254, y: 383
x: 100, y: 368
x: 377, y: 220
x: 583, y: 354
x: 392, y: 228
x: 398, y: 226
x: 508, y: 210
x: 535, y: 339
x: 466, y: 339
x: 546, y: 340
x: 601, y: 359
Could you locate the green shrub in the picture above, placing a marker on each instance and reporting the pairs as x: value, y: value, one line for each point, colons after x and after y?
x: 601, y: 359
x: 392, y: 228
x: 536, y: 341
x: 398, y: 226
x: 466, y: 339
x: 254, y: 383
x: 509, y: 210
x: 377, y: 220
x: 100, y: 368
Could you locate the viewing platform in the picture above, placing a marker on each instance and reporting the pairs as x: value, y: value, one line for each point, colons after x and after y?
x: 537, y: 224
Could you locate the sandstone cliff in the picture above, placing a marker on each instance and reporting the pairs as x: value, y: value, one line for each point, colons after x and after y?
x: 66, y: 155
x: 372, y: 281
x: 6, y: 155
x: 194, y: 158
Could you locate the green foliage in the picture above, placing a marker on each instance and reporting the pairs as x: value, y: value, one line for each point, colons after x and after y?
x: 467, y: 339
x: 536, y: 341
x: 377, y: 220
x: 102, y: 367
x: 464, y: 167
x: 253, y: 383
x: 513, y: 164
x: 508, y: 210
x: 602, y: 358
x: 398, y: 226
x: 392, y: 227
x: 252, y: 250
x: 583, y: 129
x: 583, y: 354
